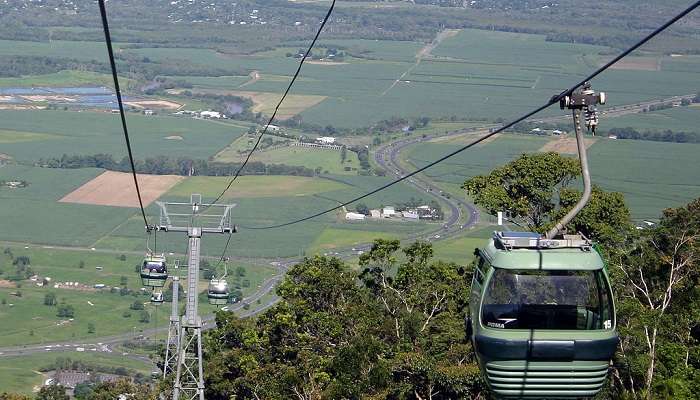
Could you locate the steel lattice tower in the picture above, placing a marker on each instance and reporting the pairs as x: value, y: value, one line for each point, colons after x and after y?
x: 195, y: 221
x: 173, y: 344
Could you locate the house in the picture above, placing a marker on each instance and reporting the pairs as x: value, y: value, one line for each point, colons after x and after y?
x: 326, y: 140
x: 375, y: 214
x: 410, y: 214
x: 273, y: 128
x: 147, y: 112
x: 388, y: 212
x: 351, y: 216
x: 558, y: 132
x: 211, y: 114
x: 427, y: 212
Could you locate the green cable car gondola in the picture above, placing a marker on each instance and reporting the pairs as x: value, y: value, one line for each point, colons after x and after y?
x: 541, y: 312
x: 542, y: 318
x: 154, y: 272
x: 218, y: 292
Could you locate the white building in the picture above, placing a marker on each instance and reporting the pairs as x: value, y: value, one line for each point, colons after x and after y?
x: 273, y: 128
x: 148, y: 112
x: 388, y: 212
x: 210, y: 114
x: 410, y: 214
x: 375, y: 213
x: 326, y: 140
x: 351, y: 216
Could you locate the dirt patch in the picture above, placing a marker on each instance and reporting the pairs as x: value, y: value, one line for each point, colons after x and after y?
x: 466, y: 137
x: 254, y: 77
x: 5, y: 157
x: 565, y: 145
x: 319, y: 62
x: 154, y: 104
x: 21, y: 107
x: 4, y: 283
x: 636, y: 64
x: 117, y: 189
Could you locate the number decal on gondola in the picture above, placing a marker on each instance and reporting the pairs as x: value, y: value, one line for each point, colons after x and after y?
x: 607, y: 324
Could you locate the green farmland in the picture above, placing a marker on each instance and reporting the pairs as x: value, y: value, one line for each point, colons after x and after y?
x: 651, y: 175
x: 72, y: 133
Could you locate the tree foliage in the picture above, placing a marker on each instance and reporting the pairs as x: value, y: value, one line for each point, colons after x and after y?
x: 525, y: 187
x: 394, y: 330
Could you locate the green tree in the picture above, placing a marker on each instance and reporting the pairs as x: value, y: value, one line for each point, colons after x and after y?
x: 144, y: 317
x: 114, y: 390
x: 65, y: 311
x: 526, y: 187
x: 83, y: 391
x: 91, y: 327
x: 659, y: 308
x: 333, y: 336
x: 52, y: 392
x: 50, y: 299
x: 136, y: 305
x: 362, y: 208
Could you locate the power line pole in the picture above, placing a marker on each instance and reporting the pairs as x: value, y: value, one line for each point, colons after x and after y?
x: 186, y: 217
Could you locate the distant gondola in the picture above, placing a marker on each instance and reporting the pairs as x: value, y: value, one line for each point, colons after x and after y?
x: 218, y: 292
x: 154, y: 271
x: 157, y: 298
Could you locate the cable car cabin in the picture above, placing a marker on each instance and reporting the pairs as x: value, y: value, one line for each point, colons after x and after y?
x: 157, y: 298
x: 154, y: 272
x: 218, y: 292
x: 542, y: 316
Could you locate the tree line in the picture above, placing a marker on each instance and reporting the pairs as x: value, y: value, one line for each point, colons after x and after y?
x: 163, y: 165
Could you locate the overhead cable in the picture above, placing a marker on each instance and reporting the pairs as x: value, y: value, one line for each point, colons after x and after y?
x: 553, y: 100
x: 110, y: 51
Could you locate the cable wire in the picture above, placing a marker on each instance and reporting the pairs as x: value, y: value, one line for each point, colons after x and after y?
x: 110, y: 51
x: 274, y: 114
x: 553, y: 100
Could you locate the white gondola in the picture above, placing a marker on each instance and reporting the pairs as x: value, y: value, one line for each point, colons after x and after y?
x: 218, y: 292
x: 154, y: 271
x: 157, y: 298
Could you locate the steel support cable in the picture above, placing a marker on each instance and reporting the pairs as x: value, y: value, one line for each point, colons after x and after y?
x: 553, y: 100
x: 274, y: 113
x: 110, y: 51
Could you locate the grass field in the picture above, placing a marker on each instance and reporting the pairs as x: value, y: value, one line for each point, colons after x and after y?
x: 677, y: 119
x: 98, y: 132
x: 22, y: 375
x: 651, y: 175
x: 30, y: 321
x: 255, y: 186
x: 328, y: 160
x: 64, y: 78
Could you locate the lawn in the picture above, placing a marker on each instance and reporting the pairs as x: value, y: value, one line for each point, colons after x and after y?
x: 459, y: 250
x: 332, y: 239
x: 22, y: 375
